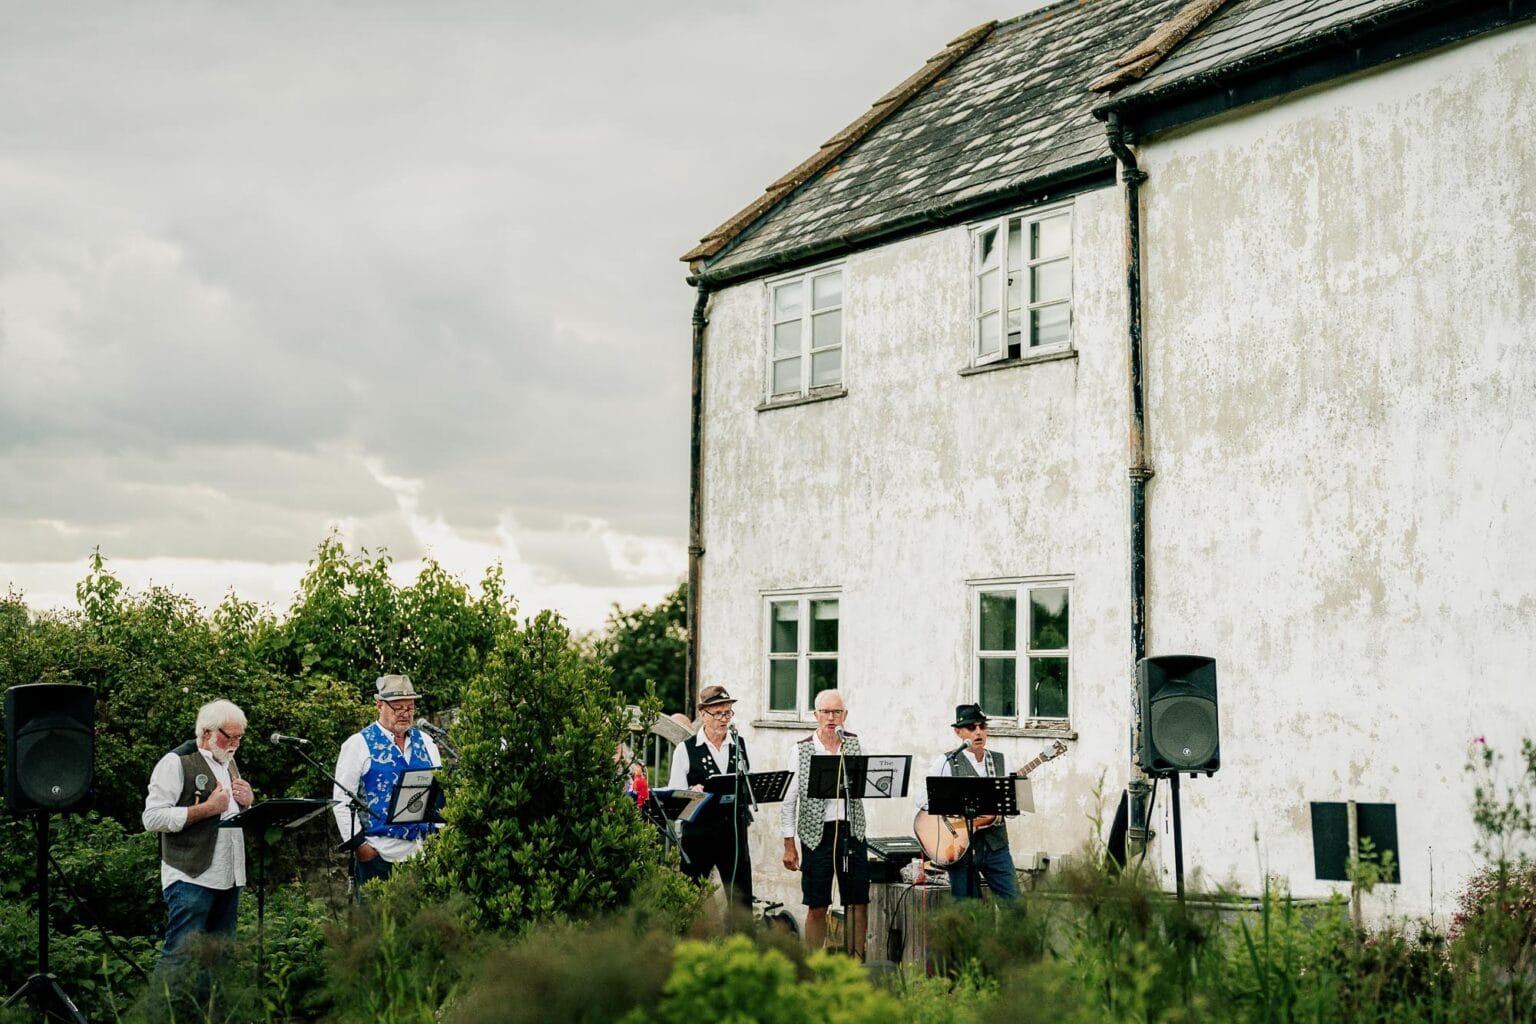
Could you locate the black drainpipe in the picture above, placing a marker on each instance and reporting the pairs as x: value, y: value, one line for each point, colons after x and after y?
x: 1140, y: 471
x: 695, y: 499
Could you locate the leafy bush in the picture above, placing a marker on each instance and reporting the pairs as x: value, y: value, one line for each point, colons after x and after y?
x: 735, y: 980
x: 646, y: 649
x: 351, y: 622
x: 399, y: 961
x: 966, y: 997
x: 590, y: 974
x: 98, y: 907
x: 537, y: 824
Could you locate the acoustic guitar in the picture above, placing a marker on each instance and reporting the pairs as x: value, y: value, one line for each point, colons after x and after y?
x: 944, y: 839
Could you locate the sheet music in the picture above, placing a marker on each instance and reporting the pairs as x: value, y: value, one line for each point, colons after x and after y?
x: 887, y: 775
x: 412, y: 799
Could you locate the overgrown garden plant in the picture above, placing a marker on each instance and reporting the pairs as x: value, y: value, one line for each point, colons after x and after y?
x: 538, y: 827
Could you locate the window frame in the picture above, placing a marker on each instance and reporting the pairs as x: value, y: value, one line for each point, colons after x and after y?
x: 1022, y: 653
x: 802, y: 656
x: 1025, y: 219
x: 808, y: 349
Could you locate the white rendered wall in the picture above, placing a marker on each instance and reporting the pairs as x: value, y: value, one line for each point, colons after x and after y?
x: 914, y: 483
x: 1341, y: 363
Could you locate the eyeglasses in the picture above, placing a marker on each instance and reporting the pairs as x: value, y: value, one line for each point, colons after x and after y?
x: 831, y: 712
x: 978, y: 725
x: 231, y: 739
x: 720, y: 716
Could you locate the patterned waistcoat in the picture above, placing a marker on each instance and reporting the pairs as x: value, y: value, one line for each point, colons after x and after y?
x: 385, y: 767
x: 813, y: 813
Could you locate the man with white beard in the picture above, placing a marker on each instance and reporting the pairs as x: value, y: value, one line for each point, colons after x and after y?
x: 192, y: 789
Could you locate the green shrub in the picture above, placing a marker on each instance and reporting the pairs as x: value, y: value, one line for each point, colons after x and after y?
x: 967, y: 997
x: 399, y: 961
x: 538, y: 828
x: 734, y: 980
x: 589, y: 974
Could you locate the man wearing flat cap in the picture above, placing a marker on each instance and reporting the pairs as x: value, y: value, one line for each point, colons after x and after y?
x: 370, y: 763
x: 716, y: 840
x: 989, y: 845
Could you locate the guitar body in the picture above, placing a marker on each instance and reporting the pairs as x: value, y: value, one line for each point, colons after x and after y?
x: 945, y: 840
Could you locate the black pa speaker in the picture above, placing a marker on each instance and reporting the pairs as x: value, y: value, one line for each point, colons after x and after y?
x: 50, y: 747
x: 1179, y: 730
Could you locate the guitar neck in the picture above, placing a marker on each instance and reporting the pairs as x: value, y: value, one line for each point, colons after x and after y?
x: 1031, y: 766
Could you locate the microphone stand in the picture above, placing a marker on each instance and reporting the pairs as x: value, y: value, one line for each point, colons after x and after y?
x: 743, y: 774
x: 842, y: 790
x: 439, y: 736
x: 746, y: 766
x: 356, y: 804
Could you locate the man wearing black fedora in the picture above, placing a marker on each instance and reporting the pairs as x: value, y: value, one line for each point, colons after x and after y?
x: 716, y: 840
x: 989, y: 846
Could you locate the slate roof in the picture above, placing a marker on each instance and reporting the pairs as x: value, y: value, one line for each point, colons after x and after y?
x: 1009, y: 117
x: 1247, y: 28
x: 1294, y: 42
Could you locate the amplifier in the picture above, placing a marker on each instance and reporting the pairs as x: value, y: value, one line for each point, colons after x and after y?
x: 889, y: 854
x: 900, y: 848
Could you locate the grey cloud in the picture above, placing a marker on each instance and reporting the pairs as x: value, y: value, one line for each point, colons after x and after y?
x: 246, y: 246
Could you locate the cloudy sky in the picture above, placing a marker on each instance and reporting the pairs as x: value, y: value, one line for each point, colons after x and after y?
x: 404, y: 270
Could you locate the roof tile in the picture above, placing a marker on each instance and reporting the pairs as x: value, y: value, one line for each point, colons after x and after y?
x: 1002, y: 106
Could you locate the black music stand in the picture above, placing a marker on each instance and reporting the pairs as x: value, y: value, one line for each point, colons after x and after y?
x: 260, y: 820
x: 759, y: 787
x: 972, y: 797
x: 664, y: 806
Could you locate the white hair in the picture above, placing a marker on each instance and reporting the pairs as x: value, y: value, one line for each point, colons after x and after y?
x: 830, y: 693
x: 216, y: 714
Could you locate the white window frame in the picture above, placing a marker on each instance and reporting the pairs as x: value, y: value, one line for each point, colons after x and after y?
x: 802, y: 656
x: 1016, y: 224
x: 808, y: 350
x: 1022, y: 653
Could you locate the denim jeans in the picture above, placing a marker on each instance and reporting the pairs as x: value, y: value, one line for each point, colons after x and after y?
x: 193, y: 908
x: 996, y: 866
x: 368, y: 871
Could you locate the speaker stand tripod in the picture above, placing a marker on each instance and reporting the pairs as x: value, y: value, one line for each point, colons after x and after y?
x: 1178, y: 837
x: 43, y: 988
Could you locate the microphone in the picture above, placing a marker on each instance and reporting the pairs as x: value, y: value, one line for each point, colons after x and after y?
x: 733, y: 730
x: 296, y: 741
x: 427, y: 727
x: 839, y: 731
x: 964, y: 746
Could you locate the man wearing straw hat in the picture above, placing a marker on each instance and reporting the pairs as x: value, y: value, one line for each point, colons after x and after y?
x: 370, y: 763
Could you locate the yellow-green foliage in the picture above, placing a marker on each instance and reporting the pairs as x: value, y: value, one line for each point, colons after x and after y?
x: 735, y: 982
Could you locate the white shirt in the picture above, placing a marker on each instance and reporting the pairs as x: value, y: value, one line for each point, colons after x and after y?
x: 162, y: 815
x: 677, y: 778
x: 940, y: 767
x: 789, y: 816
x: 351, y: 765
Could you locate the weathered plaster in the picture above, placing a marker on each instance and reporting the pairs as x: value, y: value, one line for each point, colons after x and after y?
x: 918, y: 481
x: 1340, y: 326
x: 1339, y: 319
